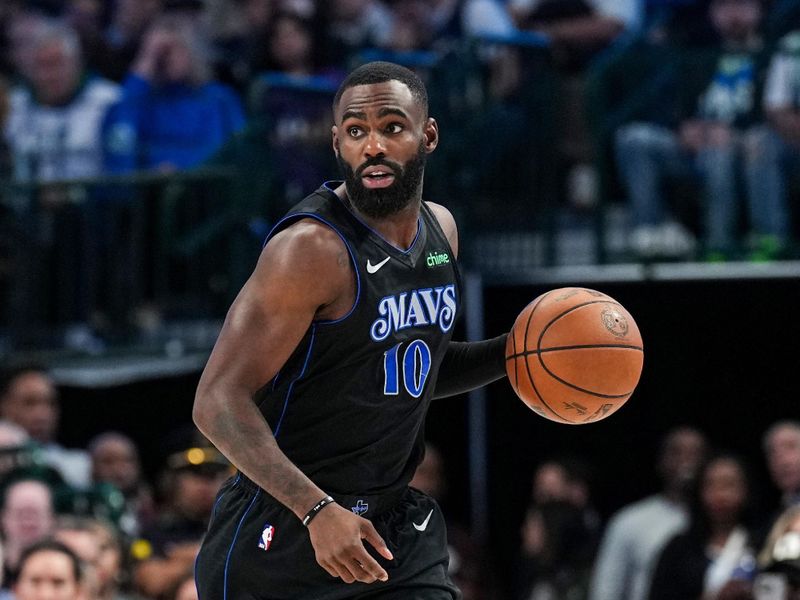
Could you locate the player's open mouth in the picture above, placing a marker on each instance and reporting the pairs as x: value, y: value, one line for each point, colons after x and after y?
x: 377, y: 177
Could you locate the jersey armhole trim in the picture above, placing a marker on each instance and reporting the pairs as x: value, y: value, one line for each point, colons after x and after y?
x: 302, y: 215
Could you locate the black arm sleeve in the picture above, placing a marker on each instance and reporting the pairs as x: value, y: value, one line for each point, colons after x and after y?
x: 470, y: 365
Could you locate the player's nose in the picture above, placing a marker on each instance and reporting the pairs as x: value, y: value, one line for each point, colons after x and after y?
x: 375, y: 145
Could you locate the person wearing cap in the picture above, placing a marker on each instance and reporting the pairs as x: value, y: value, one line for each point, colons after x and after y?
x: 168, y: 547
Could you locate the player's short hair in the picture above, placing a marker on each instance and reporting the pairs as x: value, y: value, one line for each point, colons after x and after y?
x: 379, y: 72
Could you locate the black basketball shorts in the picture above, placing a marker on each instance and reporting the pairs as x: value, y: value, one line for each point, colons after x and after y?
x: 256, y: 549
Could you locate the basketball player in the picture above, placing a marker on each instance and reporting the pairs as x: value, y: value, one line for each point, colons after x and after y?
x: 319, y: 383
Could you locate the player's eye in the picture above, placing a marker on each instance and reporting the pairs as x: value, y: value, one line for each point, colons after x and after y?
x: 394, y: 128
x: 354, y: 132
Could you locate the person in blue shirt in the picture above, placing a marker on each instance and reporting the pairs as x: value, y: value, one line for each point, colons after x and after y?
x: 172, y: 115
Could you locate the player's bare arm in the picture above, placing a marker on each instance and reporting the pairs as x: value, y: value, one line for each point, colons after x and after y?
x: 303, y: 274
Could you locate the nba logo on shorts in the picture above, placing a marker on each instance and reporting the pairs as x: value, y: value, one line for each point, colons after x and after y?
x: 266, y: 537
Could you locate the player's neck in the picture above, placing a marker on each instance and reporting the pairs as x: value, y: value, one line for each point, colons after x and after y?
x: 399, y: 229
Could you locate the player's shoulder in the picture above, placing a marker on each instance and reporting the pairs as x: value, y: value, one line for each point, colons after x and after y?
x: 307, y: 238
x: 446, y: 221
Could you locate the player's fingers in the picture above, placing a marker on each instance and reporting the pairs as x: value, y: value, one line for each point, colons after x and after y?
x: 369, y: 533
x: 363, y: 575
x: 370, y: 565
x: 345, y: 571
x: 328, y: 567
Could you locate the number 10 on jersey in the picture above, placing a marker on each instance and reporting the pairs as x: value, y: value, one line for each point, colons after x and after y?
x: 416, y: 365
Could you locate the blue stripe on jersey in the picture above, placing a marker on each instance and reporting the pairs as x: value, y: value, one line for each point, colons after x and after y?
x: 406, y: 251
x: 298, y: 215
x: 291, y: 385
x: 233, y: 542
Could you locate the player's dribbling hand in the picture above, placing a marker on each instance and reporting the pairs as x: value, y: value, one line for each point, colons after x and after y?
x: 336, y: 535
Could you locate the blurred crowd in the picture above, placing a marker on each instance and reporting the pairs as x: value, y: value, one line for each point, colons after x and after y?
x: 707, y: 534
x: 685, y: 113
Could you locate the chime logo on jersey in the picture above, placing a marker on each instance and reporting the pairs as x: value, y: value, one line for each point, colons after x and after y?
x: 266, y: 537
x: 417, y: 308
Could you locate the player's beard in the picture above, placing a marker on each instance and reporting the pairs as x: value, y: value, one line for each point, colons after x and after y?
x: 380, y: 203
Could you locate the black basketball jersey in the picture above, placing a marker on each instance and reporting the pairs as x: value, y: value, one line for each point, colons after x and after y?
x: 348, y: 407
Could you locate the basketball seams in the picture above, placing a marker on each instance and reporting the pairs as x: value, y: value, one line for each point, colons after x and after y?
x: 581, y: 347
x: 527, y: 362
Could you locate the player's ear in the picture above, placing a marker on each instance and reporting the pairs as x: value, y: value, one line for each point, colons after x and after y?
x: 335, y: 139
x: 431, y: 133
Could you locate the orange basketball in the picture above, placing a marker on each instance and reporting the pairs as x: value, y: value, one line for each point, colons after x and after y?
x: 574, y: 355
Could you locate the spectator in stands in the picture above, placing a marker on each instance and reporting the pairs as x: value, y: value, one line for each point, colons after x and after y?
x: 782, y: 106
x: 26, y: 517
x: 577, y: 30
x: 53, y: 132
x: 243, y: 52
x: 718, y: 134
x: 559, y: 534
x: 298, y: 119
x: 54, y: 125
x: 128, y: 22
x: 353, y: 25
x: 781, y: 444
x: 98, y: 546
x: 715, y: 556
x: 556, y: 553
x: 115, y: 460
x: 779, y: 559
x: 172, y: 115
x: 170, y: 545
x: 50, y: 571
x: 29, y: 398
x: 636, y: 534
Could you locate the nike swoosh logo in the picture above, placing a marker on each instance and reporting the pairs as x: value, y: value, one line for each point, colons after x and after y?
x: 424, y: 525
x: 374, y: 268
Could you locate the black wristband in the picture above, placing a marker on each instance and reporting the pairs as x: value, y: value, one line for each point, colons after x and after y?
x: 317, y: 507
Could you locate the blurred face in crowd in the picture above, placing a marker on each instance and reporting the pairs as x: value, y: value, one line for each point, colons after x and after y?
x: 550, y: 483
x: 55, y: 72
x: 724, y: 491
x: 27, y: 516
x: 48, y: 575
x: 85, y: 544
x: 736, y: 20
x: 783, y: 458
x: 32, y: 403
x: 178, y: 64
x: 109, y: 560
x: 115, y: 460
x: 196, y: 490
x: 291, y: 43
x: 683, y: 451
